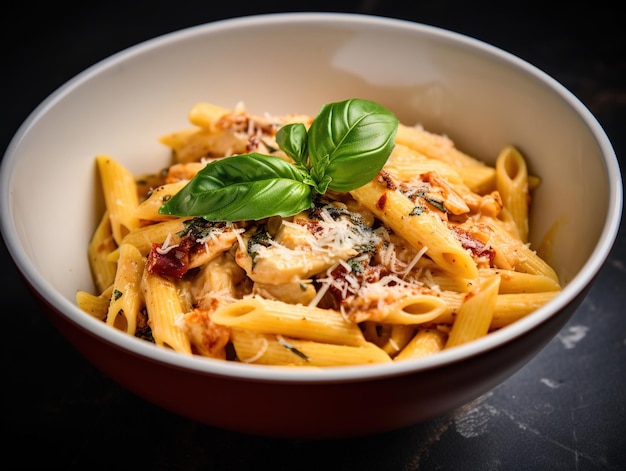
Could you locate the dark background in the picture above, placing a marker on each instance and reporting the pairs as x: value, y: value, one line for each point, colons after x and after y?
x: 565, y: 410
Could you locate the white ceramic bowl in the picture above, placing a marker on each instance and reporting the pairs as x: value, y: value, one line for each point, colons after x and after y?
x: 482, y: 97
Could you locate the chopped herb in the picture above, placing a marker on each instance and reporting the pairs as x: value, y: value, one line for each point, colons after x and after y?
x: 293, y: 349
x: 417, y: 210
x: 260, y: 239
x: 200, y: 228
x: 437, y: 204
x: 356, y: 265
x: 270, y: 147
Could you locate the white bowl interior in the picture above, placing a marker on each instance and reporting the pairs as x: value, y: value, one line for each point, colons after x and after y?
x: 481, y: 97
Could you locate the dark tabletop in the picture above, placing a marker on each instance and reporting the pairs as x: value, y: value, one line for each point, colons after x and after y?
x: 565, y: 410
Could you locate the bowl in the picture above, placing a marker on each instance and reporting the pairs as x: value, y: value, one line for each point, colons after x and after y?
x: 481, y: 97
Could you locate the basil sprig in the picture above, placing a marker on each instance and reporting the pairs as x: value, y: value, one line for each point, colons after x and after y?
x: 345, y: 147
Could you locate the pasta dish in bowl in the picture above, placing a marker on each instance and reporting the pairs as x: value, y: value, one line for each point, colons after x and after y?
x: 343, y: 243
x: 430, y: 253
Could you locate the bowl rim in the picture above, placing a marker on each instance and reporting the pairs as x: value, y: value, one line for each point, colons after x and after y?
x: 214, y: 367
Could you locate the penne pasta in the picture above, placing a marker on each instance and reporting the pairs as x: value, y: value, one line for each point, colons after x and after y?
x: 267, y: 349
x: 406, y: 163
x: 279, y: 318
x: 409, y: 309
x: 509, y: 307
x: 475, y: 314
x: 517, y: 255
x: 161, y: 298
x: 194, y: 144
x: 207, y: 115
x: 143, y: 238
x: 424, y: 343
x: 429, y: 254
x: 476, y: 175
x: 126, y: 301
x: 148, y: 209
x: 419, y: 230
x: 120, y: 196
x: 95, y: 305
x: 100, y: 247
x: 512, y: 307
x: 512, y: 281
x: 512, y: 184
x: 392, y: 338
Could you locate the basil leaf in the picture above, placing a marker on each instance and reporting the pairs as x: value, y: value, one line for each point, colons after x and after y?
x: 318, y: 176
x: 345, y: 147
x: 292, y: 139
x: 350, y: 141
x: 243, y: 187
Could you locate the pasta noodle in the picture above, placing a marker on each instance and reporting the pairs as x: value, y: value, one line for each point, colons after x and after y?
x: 293, y: 320
x: 430, y: 254
x: 101, y: 246
x: 165, y: 308
x: 424, y: 343
x: 126, y: 301
x: 475, y: 313
x: 420, y: 230
x: 120, y: 194
x: 278, y: 350
x: 512, y: 184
